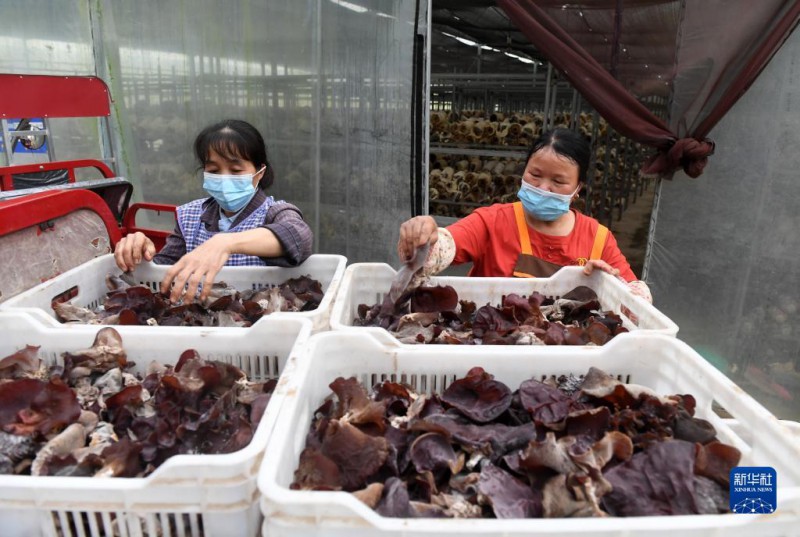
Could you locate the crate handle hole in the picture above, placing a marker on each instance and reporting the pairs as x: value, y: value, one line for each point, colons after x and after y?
x: 65, y: 296
x: 719, y: 410
x: 626, y: 311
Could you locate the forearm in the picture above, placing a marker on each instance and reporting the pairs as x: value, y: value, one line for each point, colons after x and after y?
x: 259, y: 242
x: 295, y: 237
x: 286, y: 222
x: 440, y: 256
x: 640, y: 288
x: 174, y: 249
x: 614, y: 257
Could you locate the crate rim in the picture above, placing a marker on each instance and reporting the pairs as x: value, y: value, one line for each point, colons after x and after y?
x: 320, y: 316
x: 253, y: 450
x: 338, y: 313
x: 278, y: 500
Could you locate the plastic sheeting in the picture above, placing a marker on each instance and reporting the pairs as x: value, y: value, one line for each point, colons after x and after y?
x: 644, y: 59
x: 38, y: 38
x: 718, y: 53
x: 723, y: 260
x: 327, y: 82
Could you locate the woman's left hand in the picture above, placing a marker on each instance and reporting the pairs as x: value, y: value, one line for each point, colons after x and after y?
x: 599, y: 264
x: 637, y: 287
x: 201, y: 265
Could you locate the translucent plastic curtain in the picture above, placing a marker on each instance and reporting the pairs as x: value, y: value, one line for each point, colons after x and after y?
x: 723, y: 47
x: 734, y: 40
x: 51, y: 38
x: 723, y: 260
x: 328, y: 83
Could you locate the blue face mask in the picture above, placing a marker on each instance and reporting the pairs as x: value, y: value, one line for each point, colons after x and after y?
x: 232, y: 192
x: 544, y: 205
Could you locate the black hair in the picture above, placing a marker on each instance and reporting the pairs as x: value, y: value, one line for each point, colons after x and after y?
x: 234, y: 138
x: 566, y: 143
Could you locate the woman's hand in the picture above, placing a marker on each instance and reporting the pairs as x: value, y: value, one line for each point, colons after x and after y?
x: 200, y: 265
x: 599, y: 264
x: 637, y: 287
x: 640, y: 289
x: 131, y: 249
x: 414, y: 233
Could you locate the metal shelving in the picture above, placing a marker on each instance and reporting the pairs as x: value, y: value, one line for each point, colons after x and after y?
x: 542, y: 99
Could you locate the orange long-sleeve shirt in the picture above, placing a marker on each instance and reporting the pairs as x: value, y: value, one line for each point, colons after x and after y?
x: 490, y: 239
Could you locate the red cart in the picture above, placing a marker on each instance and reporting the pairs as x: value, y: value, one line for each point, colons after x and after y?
x: 50, y: 221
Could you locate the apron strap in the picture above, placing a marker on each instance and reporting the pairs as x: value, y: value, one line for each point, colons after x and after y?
x: 522, y: 227
x: 525, y: 241
x: 599, y: 242
x: 524, y: 238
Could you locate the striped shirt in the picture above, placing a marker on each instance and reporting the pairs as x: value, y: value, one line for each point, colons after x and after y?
x: 283, y: 219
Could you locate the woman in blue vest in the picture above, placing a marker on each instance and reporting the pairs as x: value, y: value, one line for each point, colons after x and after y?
x: 237, y: 225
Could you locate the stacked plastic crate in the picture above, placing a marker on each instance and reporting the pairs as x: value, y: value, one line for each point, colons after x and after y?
x: 197, y: 495
x: 85, y: 286
x: 648, y: 355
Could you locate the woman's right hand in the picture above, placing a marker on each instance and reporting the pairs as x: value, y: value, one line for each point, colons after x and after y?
x: 131, y: 249
x: 414, y: 233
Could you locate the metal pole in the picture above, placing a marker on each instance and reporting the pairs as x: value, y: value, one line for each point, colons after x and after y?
x: 615, y: 44
x: 616, y: 185
x: 553, y: 100
x: 547, y: 95
x: 426, y: 133
x: 606, y: 207
x: 643, y: 182
x: 629, y: 177
x: 316, y: 59
x: 592, y: 164
x: 572, y: 108
x: 625, y: 192
x: 6, y: 141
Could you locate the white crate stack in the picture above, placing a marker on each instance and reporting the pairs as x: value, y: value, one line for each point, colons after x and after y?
x: 87, y: 288
x: 368, y: 283
x: 661, y: 363
x: 188, y: 494
x: 219, y: 494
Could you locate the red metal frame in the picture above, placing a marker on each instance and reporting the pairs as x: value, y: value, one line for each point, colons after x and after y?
x: 7, y: 183
x: 53, y: 96
x: 35, y: 96
x: 158, y: 236
x: 26, y: 211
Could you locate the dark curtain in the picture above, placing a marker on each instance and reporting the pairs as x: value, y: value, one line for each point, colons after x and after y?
x: 720, y: 49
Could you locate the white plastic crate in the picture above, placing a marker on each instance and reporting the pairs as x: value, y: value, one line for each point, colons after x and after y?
x: 87, y: 283
x: 662, y: 363
x: 368, y: 283
x: 188, y: 494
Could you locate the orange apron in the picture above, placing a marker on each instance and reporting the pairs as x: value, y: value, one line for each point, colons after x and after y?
x: 530, y: 266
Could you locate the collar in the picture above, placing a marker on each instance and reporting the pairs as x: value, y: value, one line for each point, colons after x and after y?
x: 210, y: 216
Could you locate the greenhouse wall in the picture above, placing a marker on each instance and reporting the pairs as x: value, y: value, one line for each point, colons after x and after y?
x: 723, y: 259
x: 328, y: 83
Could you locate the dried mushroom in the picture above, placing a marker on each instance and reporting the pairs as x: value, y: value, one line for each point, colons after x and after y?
x: 92, y: 417
x: 435, y: 315
x: 566, y: 447
x: 224, y: 307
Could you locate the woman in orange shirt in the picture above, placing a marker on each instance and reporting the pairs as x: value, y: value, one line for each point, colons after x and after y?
x: 535, y: 236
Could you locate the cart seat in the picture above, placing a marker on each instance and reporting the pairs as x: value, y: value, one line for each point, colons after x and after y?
x: 115, y: 191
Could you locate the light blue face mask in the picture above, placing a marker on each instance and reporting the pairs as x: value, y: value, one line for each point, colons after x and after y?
x: 544, y: 205
x: 232, y: 192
